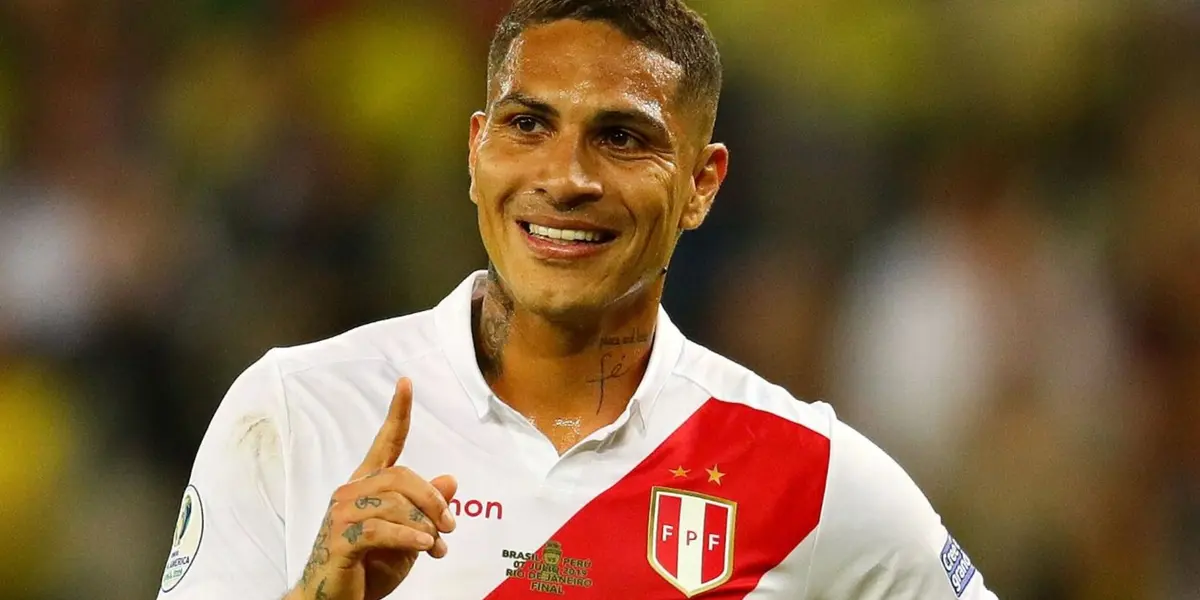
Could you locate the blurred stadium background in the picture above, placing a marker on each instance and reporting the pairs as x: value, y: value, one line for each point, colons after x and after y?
x: 973, y: 227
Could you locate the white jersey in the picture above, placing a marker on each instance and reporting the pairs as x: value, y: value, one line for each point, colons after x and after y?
x: 712, y: 482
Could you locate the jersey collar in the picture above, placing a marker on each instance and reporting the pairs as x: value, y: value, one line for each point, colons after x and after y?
x: 453, y: 319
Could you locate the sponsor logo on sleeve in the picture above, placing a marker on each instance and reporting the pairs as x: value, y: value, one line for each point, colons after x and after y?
x: 957, y: 565
x: 189, y: 528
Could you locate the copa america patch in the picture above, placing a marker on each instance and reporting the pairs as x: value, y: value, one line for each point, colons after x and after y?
x: 189, y: 529
x: 957, y: 565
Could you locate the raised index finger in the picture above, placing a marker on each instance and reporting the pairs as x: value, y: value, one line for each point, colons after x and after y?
x: 389, y: 442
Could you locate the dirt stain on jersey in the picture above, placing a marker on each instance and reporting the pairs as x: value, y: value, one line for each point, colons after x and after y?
x: 258, y: 435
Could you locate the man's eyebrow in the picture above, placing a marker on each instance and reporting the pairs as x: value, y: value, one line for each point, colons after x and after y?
x: 636, y: 118
x: 527, y: 101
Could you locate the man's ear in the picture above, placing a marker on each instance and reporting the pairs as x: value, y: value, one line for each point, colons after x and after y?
x: 478, y: 122
x: 711, y: 167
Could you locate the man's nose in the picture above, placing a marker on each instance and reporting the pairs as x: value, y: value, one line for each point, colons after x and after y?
x: 568, y: 175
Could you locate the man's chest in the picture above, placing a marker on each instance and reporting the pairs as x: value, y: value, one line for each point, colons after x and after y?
x: 665, y: 543
x: 687, y: 517
x: 629, y: 541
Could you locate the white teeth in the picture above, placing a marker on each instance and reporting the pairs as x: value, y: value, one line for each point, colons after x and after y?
x: 568, y: 235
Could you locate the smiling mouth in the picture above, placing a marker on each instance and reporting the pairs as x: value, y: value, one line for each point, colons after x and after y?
x: 568, y: 236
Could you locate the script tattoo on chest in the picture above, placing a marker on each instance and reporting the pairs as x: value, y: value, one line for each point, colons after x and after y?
x: 611, y: 367
x: 612, y: 362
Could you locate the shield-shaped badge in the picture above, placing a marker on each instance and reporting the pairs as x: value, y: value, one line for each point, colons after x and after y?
x: 691, y: 539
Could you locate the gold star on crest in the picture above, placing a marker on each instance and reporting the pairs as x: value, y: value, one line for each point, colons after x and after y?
x: 714, y: 476
x: 679, y: 472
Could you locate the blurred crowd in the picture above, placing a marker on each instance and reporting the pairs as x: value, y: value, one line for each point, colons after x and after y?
x: 973, y: 228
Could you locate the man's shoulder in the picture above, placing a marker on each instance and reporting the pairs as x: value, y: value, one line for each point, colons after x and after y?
x: 723, y: 379
x: 867, y: 507
x: 875, y: 515
x: 354, y: 370
x: 394, y: 340
x: 855, y: 462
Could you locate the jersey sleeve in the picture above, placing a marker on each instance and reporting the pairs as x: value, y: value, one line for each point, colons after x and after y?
x: 879, y: 537
x: 229, y: 537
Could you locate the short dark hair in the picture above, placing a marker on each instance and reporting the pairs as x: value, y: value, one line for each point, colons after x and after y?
x: 668, y: 27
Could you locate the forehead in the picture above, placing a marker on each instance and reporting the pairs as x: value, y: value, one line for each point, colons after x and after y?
x: 584, y: 63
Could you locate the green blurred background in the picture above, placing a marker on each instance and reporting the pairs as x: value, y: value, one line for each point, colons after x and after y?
x: 973, y: 227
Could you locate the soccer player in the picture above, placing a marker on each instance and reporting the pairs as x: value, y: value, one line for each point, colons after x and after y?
x: 582, y: 446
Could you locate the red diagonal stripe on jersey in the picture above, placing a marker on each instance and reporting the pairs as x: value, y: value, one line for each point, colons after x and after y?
x: 774, y: 469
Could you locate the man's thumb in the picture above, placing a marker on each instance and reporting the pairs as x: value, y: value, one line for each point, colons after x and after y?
x: 447, y: 485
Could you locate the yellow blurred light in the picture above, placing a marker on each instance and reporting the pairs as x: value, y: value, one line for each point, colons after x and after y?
x: 38, y: 438
x: 395, y: 80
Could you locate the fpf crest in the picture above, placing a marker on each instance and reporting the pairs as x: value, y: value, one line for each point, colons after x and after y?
x: 690, y: 539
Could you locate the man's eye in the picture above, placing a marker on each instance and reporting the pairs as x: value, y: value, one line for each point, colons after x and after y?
x: 526, y: 124
x: 620, y: 139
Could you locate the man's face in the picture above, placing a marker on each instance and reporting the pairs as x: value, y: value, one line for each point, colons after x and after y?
x: 585, y: 169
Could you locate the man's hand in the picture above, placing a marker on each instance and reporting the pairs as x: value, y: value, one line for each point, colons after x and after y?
x: 379, y: 522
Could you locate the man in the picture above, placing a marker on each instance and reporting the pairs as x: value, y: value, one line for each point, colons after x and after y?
x: 590, y: 450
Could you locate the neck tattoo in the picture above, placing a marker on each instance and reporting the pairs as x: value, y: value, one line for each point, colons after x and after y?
x: 615, y: 354
x: 620, y: 354
x: 495, y: 319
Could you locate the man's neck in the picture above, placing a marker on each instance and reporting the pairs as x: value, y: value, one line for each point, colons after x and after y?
x: 568, y: 379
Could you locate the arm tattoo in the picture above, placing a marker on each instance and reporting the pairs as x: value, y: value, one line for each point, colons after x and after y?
x: 353, y: 532
x: 366, y: 501
x: 320, y: 551
x: 416, y: 516
x: 320, y: 594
